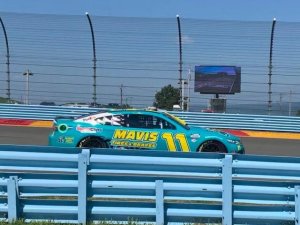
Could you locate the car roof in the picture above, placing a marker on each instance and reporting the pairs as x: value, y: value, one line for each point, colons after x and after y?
x: 122, y: 111
x: 130, y: 111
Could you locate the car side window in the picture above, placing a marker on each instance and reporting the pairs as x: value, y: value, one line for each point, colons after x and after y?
x: 138, y: 120
x: 147, y: 122
x: 163, y: 124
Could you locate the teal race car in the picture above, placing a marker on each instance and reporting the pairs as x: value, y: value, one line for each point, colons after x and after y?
x: 140, y: 129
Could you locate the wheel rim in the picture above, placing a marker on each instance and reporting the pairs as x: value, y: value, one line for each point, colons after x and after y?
x: 212, y: 147
x: 93, y: 143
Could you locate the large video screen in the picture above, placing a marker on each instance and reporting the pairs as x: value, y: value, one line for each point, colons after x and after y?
x: 217, y: 79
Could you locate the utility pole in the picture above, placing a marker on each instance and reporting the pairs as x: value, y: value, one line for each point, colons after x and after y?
x: 121, y: 95
x: 290, y: 103
x: 27, y: 74
x: 188, y: 91
x: 280, y: 102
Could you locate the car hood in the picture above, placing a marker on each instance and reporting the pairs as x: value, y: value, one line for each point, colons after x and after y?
x: 212, y: 132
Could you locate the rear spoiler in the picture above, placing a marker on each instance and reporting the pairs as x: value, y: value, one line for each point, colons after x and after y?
x: 65, y: 117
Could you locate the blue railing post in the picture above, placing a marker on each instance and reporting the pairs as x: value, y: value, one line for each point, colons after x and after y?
x: 227, y: 190
x: 297, y: 205
x: 159, y: 190
x: 83, y: 162
x: 12, y: 192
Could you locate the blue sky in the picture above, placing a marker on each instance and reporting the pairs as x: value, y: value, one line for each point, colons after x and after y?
x: 249, y: 10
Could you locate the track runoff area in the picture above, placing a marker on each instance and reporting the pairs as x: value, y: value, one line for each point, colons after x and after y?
x: 239, y: 133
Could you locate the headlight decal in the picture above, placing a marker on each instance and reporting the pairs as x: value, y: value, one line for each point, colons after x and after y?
x: 233, y: 141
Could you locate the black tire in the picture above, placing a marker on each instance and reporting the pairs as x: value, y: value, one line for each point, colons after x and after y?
x: 212, y: 146
x: 92, y: 142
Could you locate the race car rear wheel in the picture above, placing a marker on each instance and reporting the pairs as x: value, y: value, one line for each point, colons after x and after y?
x: 92, y: 142
x: 212, y: 146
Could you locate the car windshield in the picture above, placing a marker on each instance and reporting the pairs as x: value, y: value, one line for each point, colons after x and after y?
x: 177, y: 120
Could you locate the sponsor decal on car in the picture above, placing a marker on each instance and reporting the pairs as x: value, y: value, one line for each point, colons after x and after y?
x: 88, y: 130
x: 195, y: 136
x: 65, y: 140
x: 133, y: 144
x: 136, y: 139
x: 135, y: 135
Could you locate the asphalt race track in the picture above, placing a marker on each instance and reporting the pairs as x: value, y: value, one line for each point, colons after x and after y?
x: 258, y: 146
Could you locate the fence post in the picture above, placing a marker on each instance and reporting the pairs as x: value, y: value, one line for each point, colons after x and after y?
x: 12, y: 199
x: 297, y: 205
x: 227, y: 190
x: 159, y: 190
x: 83, y: 162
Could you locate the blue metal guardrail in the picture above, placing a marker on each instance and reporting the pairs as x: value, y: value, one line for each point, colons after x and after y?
x: 211, y: 120
x: 76, y: 186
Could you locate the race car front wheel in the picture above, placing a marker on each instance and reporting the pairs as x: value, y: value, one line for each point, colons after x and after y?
x: 92, y: 142
x: 212, y: 146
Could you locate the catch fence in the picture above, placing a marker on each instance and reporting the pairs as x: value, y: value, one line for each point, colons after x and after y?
x: 137, y: 57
